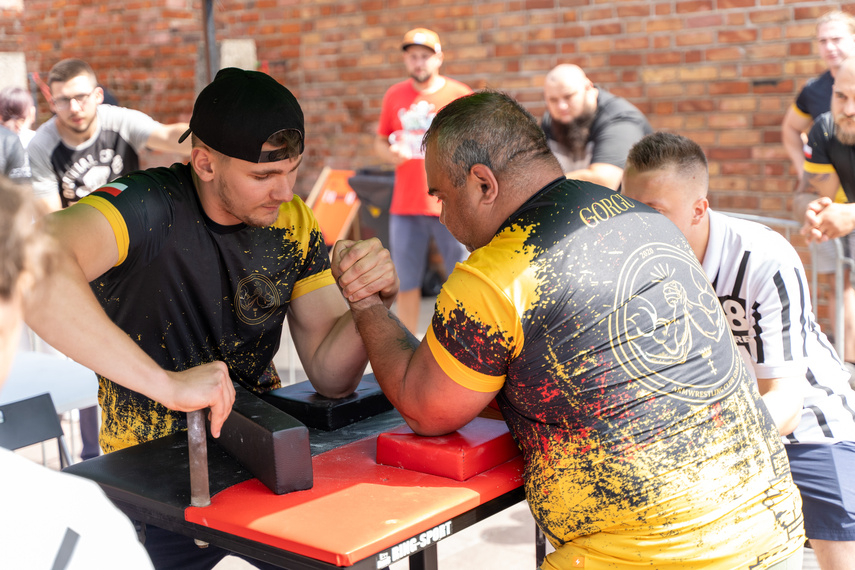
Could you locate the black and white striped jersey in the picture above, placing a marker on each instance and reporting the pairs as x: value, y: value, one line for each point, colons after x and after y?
x: 760, y: 282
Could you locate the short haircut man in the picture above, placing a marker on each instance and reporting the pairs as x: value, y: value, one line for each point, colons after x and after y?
x: 587, y: 318
x: 835, y: 36
x: 760, y: 282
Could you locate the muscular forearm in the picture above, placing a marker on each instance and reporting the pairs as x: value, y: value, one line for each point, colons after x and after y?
x: 339, y: 362
x: 391, y: 347
x: 63, y: 310
x: 794, y: 146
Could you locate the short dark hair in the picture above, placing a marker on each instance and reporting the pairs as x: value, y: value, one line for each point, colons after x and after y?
x: 660, y: 149
x: 15, y: 103
x: 68, y: 69
x: 489, y: 128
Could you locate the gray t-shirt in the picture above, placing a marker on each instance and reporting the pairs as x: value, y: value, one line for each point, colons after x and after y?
x: 13, y: 157
x: 74, y: 172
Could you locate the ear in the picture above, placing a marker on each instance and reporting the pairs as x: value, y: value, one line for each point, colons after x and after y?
x: 99, y: 95
x: 482, y: 178
x: 203, y: 163
x: 699, y: 209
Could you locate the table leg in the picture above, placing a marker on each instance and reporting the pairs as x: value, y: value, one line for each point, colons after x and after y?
x: 425, y: 559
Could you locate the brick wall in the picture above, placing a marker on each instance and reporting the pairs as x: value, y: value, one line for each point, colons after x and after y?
x: 719, y: 71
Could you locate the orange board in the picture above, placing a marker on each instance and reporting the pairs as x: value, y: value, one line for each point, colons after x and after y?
x: 356, y: 507
x: 334, y: 204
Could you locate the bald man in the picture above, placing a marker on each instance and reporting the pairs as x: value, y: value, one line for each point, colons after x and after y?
x: 589, y: 130
x: 759, y: 279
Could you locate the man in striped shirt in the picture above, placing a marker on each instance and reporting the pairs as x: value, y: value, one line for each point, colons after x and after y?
x: 760, y: 282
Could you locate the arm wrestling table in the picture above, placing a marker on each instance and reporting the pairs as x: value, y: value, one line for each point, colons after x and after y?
x: 358, y: 514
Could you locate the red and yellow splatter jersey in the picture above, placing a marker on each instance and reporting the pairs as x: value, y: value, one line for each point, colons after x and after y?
x: 644, y: 439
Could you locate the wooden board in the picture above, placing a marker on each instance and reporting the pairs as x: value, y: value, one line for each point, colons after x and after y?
x: 335, y: 205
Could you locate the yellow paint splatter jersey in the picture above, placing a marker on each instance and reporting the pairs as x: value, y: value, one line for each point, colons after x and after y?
x: 645, y: 442
x: 190, y: 291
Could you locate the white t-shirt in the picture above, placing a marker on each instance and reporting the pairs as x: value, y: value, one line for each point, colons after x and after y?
x: 52, y: 520
x: 760, y: 282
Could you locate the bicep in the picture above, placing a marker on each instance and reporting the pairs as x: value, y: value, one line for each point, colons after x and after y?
x: 165, y: 138
x: 312, y: 316
x: 444, y: 404
x: 795, y: 122
x: 87, y: 236
x: 824, y: 184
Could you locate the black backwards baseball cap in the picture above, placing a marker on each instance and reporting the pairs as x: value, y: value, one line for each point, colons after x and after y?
x: 239, y: 110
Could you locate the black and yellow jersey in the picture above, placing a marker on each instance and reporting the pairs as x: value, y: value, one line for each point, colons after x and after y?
x: 190, y: 291
x: 644, y: 438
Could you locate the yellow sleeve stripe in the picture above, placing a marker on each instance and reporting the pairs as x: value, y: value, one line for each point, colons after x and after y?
x: 117, y: 222
x: 801, y: 113
x: 464, y: 376
x: 814, y: 168
x: 312, y: 283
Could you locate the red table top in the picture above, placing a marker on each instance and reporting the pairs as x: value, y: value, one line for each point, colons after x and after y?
x: 356, y: 507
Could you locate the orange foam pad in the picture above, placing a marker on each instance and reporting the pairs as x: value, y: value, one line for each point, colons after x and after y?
x: 355, y: 508
x: 479, y: 445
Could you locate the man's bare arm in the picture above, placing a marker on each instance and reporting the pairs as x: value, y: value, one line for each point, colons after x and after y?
x: 792, y: 128
x: 63, y: 310
x: 813, y: 186
x: 430, y: 401
x: 165, y: 139
x: 326, y: 339
x: 784, y: 400
x: 601, y: 173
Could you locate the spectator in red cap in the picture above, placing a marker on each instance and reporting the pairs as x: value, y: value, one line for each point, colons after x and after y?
x: 408, y: 108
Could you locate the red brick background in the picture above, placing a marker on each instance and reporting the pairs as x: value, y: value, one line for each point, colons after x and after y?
x: 719, y: 71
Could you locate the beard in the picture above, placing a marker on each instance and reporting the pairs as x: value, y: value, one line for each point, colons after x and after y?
x: 844, y: 129
x: 77, y: 129
x: 574, y: 135
x: 224, y: 193
x: 420, y: 78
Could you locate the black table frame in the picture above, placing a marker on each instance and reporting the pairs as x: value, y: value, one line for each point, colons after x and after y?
x: 118, y: 476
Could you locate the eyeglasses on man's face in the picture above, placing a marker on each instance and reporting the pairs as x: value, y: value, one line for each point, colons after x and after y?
x: 65, y: 102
